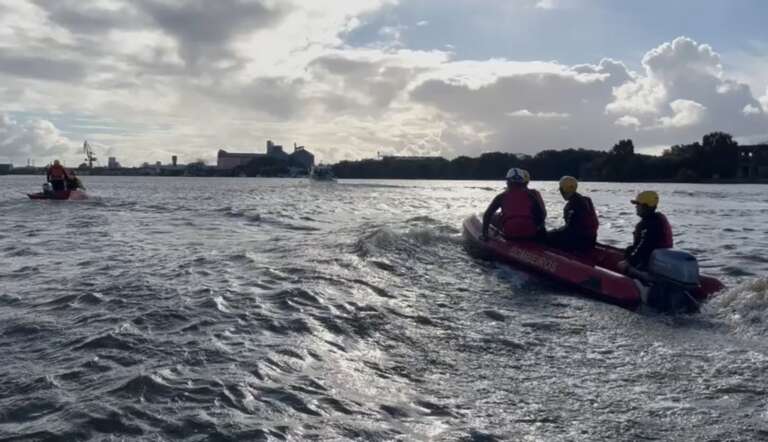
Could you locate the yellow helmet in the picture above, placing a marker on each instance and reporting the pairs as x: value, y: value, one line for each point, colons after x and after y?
x: 568, y: 184
x: 648, y: 198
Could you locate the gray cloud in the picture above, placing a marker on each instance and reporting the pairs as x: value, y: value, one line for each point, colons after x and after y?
x: 367, y: 86
x: 92, y: 18
x: 276, y: 97
x: 536, y: 93
x: 204, y: 28
x: 30, y: 66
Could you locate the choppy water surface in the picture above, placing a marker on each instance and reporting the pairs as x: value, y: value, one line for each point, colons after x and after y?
x: 256, y: 309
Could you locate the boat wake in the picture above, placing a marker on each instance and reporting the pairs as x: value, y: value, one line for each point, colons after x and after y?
x: 744, y: 307
x: 411, y: 240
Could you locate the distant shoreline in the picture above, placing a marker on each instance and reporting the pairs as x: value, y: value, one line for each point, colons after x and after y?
x: 500, y: 180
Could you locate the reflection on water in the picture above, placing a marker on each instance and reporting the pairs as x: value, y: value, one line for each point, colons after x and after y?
x: 261, y: 309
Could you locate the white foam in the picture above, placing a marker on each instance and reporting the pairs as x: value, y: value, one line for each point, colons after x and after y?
x: 744, y: 307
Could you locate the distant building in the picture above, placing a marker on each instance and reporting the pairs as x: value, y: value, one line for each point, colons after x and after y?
x: 753, y: 161
x: 276, y: 151
x: 230, y: 160
x: 302, y: 156
x: 6, y: 168
x: 174, y: 160
x: 112, y: 163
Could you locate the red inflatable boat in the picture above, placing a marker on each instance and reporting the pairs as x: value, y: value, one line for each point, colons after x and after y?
x: 594, y: 272
x: 61, y: 195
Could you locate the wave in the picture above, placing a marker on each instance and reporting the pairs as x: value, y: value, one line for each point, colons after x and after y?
x: 231, y: 212
x: 375, y: 186
x: 412, y: 241
x: 744, y: 307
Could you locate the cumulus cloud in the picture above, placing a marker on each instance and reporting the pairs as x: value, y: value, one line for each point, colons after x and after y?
x: 751, y: 109
x: 628, y: 121
x: 682, y: 93
x: 36, y: 139
x: 683, y: 81
x: 686, y: 113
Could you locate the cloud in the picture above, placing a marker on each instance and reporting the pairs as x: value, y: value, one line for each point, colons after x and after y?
x: 682, y: 93
x: 525, y: 113
x: 628, y: 121
x: 93, y: 17
x: 752, y: 110
x: 684, y: 85
x: 680, y: 59
x: 187, y: 77
x: 547, y: 4
x: 43, y: 68
x: 369, y: 81
x: 686, y: 113
x: 204, y: 29
x: 764, y: 101
x: 34, y: 139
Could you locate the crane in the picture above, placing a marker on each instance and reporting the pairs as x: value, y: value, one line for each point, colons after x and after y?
x: 89, y: 156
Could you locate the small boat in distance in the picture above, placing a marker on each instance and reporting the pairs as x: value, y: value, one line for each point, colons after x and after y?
x: 60, y: 195
x: 321, y: 173
x: 73, y: 193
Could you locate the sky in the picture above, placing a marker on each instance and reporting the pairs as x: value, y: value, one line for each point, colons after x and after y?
x: 143, y: 80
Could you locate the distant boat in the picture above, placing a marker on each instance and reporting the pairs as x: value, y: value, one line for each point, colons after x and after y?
x: 60, y: 195
x: 321, y: 173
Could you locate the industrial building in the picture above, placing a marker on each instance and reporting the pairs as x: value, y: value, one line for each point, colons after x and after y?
x: 299, y: 157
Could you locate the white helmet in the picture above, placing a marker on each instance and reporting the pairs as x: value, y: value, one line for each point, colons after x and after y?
x: 517, y: 175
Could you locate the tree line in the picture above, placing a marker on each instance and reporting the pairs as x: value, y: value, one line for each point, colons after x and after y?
x: 715, y: 157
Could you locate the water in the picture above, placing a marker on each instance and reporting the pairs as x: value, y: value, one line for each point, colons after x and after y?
x: 260, y: 309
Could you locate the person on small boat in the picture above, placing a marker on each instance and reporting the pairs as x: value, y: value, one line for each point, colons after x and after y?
x: 73, y: 181
x: 57, y: 176
x: 580, y: 230
x: 651, y: 233
x: 522, y: 209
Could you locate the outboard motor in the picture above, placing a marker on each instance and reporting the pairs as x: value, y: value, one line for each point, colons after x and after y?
x: 674, y: 273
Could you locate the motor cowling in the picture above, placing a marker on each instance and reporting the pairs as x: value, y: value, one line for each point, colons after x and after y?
x: 674, y: 273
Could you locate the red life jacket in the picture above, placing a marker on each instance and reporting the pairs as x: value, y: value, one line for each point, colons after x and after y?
x: 517, y: 213
x: 666, y: 242
x: 57, y: 172
x: 588, y: 218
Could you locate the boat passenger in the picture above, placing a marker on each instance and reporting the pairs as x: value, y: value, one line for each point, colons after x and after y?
x: 651, y: 233
x: 57, y: 176
x: 522, y: 209
x: 580, y: 230
x: 73, y: 181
